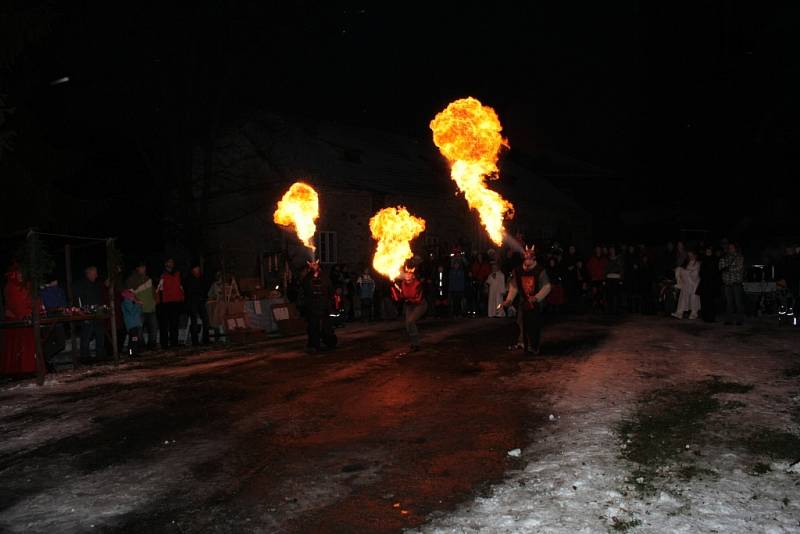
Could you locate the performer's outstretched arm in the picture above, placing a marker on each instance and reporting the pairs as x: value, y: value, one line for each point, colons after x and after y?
x: 512, y: 293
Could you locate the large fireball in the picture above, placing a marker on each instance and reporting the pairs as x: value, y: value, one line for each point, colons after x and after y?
x: 299, y: 209
x: 467, y: 133
x: 393, y: 229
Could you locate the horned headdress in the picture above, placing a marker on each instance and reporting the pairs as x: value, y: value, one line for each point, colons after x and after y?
x: 528, y: 252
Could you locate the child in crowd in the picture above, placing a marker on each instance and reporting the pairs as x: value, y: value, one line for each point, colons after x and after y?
x: 338, y: 314
x: 132, y: 316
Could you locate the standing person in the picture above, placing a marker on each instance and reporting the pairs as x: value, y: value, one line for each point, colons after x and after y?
x: 18, y: 348
x: 410, y: 293
x: 348, y: 294
x: 789, y: 269
x: 644, y: 282
x: 581, y: 286
x: 556, y: 274
x: 90, y: 292
x: 596, y: 269
x: 709, y: 288
x: 132, y: 316
x: 615, y: 273
x: 338, y: 314
x: 197, y: 287
x: 530, y: 281
x: 317, y: 296
x: 496, y: 283
x: 366, y: 293
x: 441, y: 293
x: 732, y: 268
x: 170, y: 302
x: 632, y: 260
x: 144, y: 289
x: 664, y: 262
x: 688, y: 278
x: 479, y: 271
x: 455, y: 286
x: 570, y: 262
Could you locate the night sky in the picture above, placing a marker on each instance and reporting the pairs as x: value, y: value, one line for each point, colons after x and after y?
x: 626, y: 105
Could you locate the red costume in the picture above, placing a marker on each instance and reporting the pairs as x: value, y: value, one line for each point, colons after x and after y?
x: 411, y: 293
x: 480, y: 271
x: 171, y: 288
x: 596, y: 267
x: 18, y: 348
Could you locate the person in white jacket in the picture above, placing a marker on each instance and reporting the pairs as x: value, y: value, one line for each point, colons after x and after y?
x: 496, y: 283
x: 688, y: 278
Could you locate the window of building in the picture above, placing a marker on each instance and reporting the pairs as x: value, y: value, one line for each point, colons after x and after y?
x: 327, y: 249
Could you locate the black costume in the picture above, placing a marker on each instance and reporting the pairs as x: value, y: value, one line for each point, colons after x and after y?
x: 709, y: 288
x: 317, y: 295
x: 196, y: 290
x: 529, y: 283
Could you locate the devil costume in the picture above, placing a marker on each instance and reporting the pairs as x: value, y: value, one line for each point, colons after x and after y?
x: 531, y: 283
x: 410, y: 293
x: 317, y: 294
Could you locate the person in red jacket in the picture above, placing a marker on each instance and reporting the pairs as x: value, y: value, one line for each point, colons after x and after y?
x: 410, y: 292
x: 596, y: 267
x: 169, y: 296
x: 17, y: 349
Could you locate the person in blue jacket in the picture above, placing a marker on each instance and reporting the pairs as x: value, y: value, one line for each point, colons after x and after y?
x: 132, y: 316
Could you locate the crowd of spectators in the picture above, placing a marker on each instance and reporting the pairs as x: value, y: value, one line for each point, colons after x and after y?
x: 699, y: 280
x: 687, y: 281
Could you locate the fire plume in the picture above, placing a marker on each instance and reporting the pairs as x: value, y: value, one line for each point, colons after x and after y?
x: 299, y: 209
x: 393, y: 229
x: 468, y: 135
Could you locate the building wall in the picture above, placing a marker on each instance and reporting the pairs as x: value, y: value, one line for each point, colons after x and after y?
x: 254, y: 165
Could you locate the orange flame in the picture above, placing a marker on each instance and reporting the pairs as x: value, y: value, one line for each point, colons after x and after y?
x: 393, y: 229
x: 299, y: 209
x: 468, y: 135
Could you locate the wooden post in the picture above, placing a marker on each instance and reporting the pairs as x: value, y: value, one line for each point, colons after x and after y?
x: 71, y: 297
x: 35, y: 302
x: 112, y: 307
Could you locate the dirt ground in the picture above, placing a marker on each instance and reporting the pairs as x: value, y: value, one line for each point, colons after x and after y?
x: 265, y: 438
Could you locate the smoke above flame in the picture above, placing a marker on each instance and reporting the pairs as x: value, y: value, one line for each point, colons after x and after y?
x: 393, y: 229
x: 467, y: 133
x: 299, y: 209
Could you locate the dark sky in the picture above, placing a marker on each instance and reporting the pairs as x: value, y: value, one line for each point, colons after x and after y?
x: 667, y: 102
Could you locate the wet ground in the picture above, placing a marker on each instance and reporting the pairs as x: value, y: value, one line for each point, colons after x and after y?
x: 266, y: 438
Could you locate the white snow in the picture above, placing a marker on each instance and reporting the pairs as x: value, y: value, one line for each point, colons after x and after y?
x: 577, y: 480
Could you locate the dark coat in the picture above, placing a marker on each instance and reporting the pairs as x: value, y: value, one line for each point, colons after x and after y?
x: 195, y: 289
x: 316, y: 294
x: 710, y: 277
x: 88, y: 293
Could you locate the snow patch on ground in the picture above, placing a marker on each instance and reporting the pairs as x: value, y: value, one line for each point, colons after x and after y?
x: 578, y: 480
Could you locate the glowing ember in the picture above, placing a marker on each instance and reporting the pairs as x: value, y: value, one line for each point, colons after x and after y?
x: 393, y: 229
x: 468, y: 135
x: 299, y: 209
